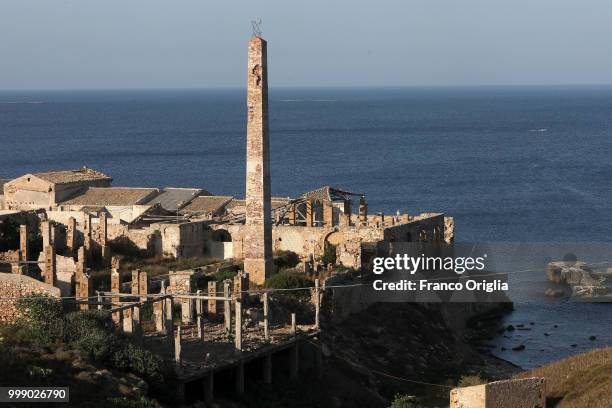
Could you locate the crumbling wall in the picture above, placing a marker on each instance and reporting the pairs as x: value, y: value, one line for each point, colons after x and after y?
x: 301, y: 240
x: 145, y: 239
x: 13, y: 286
x: 348, y: 253
x: 192, y: 239
x: 65, y: 267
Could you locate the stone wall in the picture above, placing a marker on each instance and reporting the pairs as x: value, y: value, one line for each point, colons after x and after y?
x: 14, y: 286
x: 65, y: 267
x: 525, y: 393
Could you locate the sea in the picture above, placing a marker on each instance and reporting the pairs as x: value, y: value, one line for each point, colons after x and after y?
x: 510, y: 164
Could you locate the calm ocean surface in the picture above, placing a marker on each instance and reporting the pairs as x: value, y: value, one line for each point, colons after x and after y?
x: 510, y: 164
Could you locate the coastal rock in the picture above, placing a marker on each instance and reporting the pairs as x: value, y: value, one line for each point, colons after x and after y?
x: 554, y: 293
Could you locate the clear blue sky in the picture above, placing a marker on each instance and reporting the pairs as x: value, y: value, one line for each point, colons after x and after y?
x: 69, y: 44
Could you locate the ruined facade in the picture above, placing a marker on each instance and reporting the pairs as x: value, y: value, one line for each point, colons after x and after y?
x: 80, y: 211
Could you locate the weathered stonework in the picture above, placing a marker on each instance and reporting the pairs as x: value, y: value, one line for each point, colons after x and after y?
x: 258, y: 227
x: 525, y: 393
x: 13, y: 286
x: 49, y: 271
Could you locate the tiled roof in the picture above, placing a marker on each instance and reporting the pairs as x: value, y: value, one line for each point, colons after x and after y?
x: 72, y: 176
x: 328, y: 193
x: 113, y: 196
x: 172, y: 199
x: 207, y: 205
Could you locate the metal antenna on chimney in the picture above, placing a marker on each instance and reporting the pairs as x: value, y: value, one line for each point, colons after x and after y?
x: 256, y: 27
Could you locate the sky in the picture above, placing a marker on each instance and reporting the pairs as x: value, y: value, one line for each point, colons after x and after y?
x: 111, y: 44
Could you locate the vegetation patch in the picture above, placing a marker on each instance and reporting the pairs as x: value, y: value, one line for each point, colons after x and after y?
x: 286, y: 259
x: 582, y: 380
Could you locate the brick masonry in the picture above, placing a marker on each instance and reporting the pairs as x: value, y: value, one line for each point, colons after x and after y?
x: 257, y: 246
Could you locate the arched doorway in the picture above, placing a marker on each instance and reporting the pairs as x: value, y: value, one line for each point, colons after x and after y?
x: 221, y: 246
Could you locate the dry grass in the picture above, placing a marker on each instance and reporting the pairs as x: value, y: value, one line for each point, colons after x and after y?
x: 584, y: 380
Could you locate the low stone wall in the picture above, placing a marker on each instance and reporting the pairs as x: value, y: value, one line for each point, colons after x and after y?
x: 525, y: 393
x: 13, y: 286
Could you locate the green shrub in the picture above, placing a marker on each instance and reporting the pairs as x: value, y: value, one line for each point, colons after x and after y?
x: 222, y: 275
x: 84, y: 322
x: 140, y: 361
x: 287, y: 279
x: 286, y: 259
x: 44, y: 318
x: 97, y: 345
x: 404, y: 401
x: 329, y: 255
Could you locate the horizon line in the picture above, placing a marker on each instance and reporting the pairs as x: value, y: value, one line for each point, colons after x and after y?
x: 281, y: 87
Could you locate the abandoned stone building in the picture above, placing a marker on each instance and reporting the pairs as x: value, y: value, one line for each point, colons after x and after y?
x: 81, y: 208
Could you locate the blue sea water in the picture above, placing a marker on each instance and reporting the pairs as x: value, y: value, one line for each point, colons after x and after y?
x: 523, y: 164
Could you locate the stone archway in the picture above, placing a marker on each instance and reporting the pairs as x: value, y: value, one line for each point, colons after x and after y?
x: 221, y: 245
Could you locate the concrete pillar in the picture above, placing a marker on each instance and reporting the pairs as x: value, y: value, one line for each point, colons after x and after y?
x: 135, y: 282
x: 363, y: 211
x: 292, y: 214
x: 16, y: 266
x: 317, y: 305
x: 103, y: 229
x: 143, y: 285
x: 199, y: 316
x: 241, y: 285
x: 293, y: 324
x: 128, y: 323
x: 45, y: 231
x: 266, y: 311
x: 177, y: 347
x: 309, y: 213
x: 50, y: 273
x: 23, y: 246
x: 115, y: 284
x: 87, y: 232
x: 227, y: 306
x: 238, y: 330
x: 136, y: 324
x: 169, y: 323
x: 328, y: 214
x: 105, y: 250
x: 82, y: 279
x: 257, y: 244
x: 267, y: 368
x: 83, y: 288
x: 159, y: 312
x: 212, y: 304
x: 71, y: 233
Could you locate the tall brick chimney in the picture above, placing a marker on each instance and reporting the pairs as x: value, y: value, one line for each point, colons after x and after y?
x: 257, y: 243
